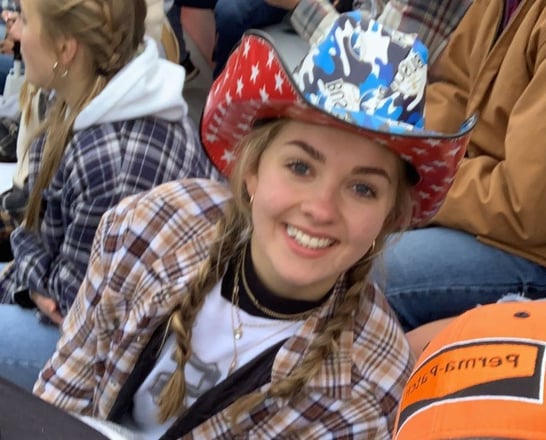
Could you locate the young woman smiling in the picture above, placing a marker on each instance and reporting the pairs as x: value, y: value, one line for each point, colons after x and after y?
x: 212, y: 312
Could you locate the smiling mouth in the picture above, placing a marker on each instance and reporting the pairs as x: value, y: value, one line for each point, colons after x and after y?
x: 306, y: 240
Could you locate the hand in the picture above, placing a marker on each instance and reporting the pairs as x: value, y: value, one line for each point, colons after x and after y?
x: 9, y: 18
x: 285, y: 4
x: 6, y: 46
x: 48, y: 307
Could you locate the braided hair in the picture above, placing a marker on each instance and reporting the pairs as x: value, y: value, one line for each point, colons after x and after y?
x: 110, y: 32
x: 233, y: 233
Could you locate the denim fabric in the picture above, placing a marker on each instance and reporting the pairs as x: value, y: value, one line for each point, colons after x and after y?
x: 433, y: 273
x: 233, y: 18
x: 25, y: 345
x: 6, y: 63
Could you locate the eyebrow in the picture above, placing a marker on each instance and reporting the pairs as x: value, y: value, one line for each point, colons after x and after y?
x: 373, y: 170
x: 313, y: 152
x: 317, y: 155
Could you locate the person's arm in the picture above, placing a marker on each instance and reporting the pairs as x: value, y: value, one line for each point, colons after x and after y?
x: 97, y: 175
x: 503, y: 195
x: 448, y: 92
x: 155, y: 16
x: 122, y: 298
x: 69, y: 379
x: 52, y: 263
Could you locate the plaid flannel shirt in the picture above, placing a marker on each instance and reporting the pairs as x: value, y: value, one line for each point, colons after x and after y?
x: 146, y: 252
x: 101, y: 165
x: 432, y: 20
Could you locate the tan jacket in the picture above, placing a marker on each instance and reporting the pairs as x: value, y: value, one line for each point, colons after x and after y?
x: 499, y: 193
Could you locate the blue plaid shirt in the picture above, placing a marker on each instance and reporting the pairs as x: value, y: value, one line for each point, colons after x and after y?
x: 101, y: 165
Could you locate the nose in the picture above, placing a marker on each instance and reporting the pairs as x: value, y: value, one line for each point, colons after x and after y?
x: 322, y: 205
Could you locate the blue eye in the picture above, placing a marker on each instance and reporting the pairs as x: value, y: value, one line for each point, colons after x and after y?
x: 299, y: 168
x: 364, y: 190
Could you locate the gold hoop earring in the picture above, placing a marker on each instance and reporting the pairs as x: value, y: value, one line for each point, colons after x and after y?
x: 373, y: 247
x: 251, y: 200
x: 56, y: 66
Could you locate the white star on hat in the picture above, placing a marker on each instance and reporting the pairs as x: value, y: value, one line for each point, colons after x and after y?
x: 255, y: 73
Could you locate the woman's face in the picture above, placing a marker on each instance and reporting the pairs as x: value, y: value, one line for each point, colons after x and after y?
x: 320, y: 198
x: 38, y: 57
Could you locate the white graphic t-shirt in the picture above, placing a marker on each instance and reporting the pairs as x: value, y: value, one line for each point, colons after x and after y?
x: 213, y: 353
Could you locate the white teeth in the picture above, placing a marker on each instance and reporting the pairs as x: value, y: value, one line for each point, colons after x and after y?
x: 306, y: 240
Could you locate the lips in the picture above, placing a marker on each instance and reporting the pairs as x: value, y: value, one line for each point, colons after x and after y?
x: 306, y: 240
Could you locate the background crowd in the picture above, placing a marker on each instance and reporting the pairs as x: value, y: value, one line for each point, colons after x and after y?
x: 128, y: 229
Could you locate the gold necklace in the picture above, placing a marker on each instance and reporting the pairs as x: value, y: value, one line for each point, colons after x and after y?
x: 237, y: 330
x: 277, y: 315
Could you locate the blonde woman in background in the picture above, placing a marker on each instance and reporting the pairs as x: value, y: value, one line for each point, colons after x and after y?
x: 32, y: 102
x: 117, y: 125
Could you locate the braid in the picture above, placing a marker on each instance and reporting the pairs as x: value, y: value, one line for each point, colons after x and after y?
x: 111, y: 60
x: 326, y: 342
x: 105, y: 62
x: 111, y: 31
x: 183, y: 318
x: 172, y: 395
x: 322, y: 346
x: 234, y: 231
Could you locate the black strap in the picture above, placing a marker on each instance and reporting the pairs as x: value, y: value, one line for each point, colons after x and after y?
x: 145, y: 364
x: 243, y: 381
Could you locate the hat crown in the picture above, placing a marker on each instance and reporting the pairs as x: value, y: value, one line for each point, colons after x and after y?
x: 366, y: 74
x: 359, y: 77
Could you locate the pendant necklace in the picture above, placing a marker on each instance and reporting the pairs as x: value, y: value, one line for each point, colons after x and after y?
x: 237, y: 324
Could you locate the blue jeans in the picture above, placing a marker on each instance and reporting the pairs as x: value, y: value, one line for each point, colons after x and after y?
x: 434, y: 273
x: 6, y: 61
x: 25, y: 345
x: 233, y: 18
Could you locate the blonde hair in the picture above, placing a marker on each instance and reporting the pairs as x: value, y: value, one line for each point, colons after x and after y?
x: 111, y: 31
x: 233, y: 232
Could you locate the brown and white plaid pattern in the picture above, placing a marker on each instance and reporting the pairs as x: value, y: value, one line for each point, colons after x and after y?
x: 145, y: 253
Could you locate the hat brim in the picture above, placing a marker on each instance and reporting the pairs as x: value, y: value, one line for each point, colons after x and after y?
x: 257, y: 83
